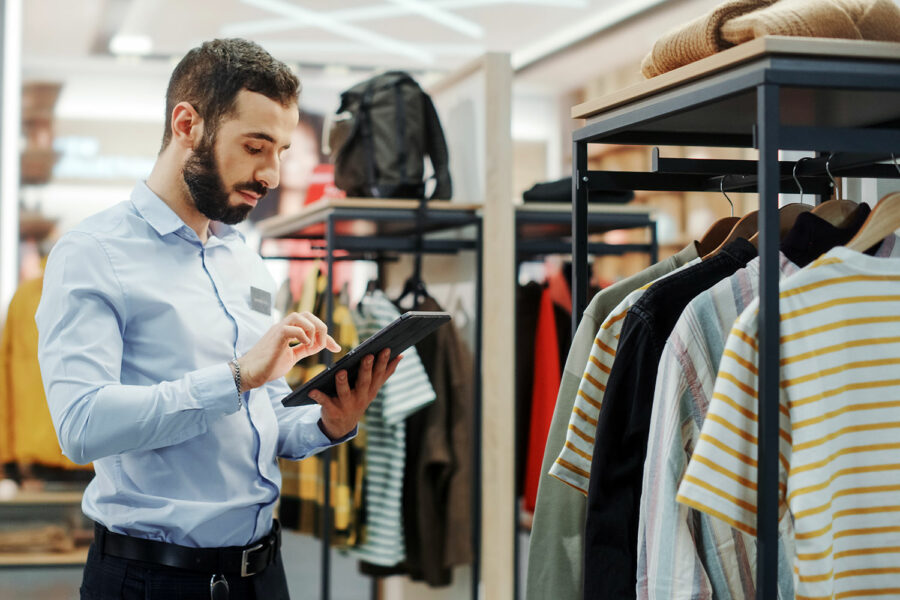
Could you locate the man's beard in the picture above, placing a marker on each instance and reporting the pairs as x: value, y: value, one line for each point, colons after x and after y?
x: 204, y: 182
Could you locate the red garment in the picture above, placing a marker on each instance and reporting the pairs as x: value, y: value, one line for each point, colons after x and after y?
x: 547, y: 375
x: 559, y: 290
x: 321, y: 184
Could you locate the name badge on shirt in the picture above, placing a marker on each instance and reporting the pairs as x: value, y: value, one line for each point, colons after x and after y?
x: 260, y: 301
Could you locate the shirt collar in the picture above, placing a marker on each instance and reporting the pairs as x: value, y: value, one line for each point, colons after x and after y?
x: 164, y: 220
x: 812, y: 236
x: 154, y: 210
x: 739, y: 250
x: 223, y: 231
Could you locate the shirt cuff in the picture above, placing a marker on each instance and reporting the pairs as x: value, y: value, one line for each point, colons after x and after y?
x: 331, y: 442
x: 213, y: 389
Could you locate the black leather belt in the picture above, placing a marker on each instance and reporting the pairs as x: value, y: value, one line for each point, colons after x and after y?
x: 234, y: 560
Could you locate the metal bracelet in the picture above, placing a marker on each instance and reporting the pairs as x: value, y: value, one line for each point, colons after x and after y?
x: 236, y: 372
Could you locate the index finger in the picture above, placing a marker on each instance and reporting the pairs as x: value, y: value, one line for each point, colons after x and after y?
x: 321, y: 330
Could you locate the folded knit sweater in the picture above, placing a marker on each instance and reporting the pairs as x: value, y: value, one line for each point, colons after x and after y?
x: 739, y: 21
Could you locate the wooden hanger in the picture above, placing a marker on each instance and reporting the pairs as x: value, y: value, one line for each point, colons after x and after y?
x: 715, y: 235
x: 787, y: 216
x: 881, y: 222
x: 837, y: 212
x: 744, y: 228
x: 720, y: 232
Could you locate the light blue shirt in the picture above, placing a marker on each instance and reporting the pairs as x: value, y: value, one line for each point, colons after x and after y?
x: 137, y: 323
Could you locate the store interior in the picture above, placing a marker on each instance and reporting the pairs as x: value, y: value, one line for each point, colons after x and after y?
x: 83, y: 110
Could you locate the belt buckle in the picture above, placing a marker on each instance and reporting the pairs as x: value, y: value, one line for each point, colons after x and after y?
x: 244, y: 556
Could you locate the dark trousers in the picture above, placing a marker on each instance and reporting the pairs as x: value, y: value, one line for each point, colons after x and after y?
x: 112, y: 578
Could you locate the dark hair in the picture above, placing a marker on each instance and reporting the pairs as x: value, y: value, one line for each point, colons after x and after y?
x: 210, y: 77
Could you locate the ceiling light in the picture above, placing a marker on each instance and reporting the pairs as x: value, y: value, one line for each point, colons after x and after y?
x: 358, y: 34
x: 443, y: 17
x: 379, y: 11
x: 582, y: 30
x: 131, y: 44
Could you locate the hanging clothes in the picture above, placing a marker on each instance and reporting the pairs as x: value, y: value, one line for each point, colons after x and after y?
x: 682, y: 553
x: 546, y: 374
x: 557, y: 534
x: 28, y: 435
x: 407, y: 391
x: 528, y: 302
x: 617, y: 464
x: 437, y: 490
x: 839, y: 413
x: 303, y: 485
x: 573, y: 465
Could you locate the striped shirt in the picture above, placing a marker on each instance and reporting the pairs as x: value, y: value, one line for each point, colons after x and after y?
x: 407, y: 391
x: 712, y: 559
x: 573, y: 465
x: 681, y: 553
x: 556, y: 546
x: 840, y: 415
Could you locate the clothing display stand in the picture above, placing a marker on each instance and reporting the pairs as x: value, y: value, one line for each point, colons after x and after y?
x: 544, y: 229
x: 775, y: 93
x: 379, y: 227
x: 60, y: 507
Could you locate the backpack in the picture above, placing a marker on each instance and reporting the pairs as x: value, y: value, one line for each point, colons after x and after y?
x: 383, y: 130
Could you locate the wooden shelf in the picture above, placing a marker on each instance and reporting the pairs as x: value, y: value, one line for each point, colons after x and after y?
x: 43, y: 498
x: 315, y: 214
x: 43, y: 559
x: 593, y: 207
x: 728, y: 59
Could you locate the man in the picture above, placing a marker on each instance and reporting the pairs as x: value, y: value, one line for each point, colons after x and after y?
x: 160, y: 359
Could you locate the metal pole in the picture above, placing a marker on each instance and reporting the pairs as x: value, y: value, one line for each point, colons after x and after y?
x: 768, y: 126
x: 476, y: 416
x: 579, y: 232
x: 326, y: 456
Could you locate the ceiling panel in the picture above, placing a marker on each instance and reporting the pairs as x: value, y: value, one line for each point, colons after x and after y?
x: 332, y: 44
x: 315, y: 32
x: 60, y: 27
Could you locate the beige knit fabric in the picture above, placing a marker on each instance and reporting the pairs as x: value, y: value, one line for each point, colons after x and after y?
x: 850, y: 19
x: 878, y: 20
x: 739, y: 21
x: 696, y: 39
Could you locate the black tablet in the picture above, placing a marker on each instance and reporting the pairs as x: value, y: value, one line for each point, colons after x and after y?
x: 407, y: 330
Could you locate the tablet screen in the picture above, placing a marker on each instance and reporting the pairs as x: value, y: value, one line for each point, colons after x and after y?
x: 407, y: 330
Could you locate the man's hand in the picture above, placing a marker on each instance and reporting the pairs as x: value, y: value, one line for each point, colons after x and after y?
x: 340, y: 414
x: 273, y: 355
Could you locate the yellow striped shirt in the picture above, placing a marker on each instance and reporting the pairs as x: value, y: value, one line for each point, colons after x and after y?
x: 573, y: 466
x: 840, y: 422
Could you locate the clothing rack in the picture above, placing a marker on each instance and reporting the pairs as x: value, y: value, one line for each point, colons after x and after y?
x: 546, y: 228
x: 376, y: 226
x: 832, y: 97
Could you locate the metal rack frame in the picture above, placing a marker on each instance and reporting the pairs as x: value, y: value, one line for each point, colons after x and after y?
x: 401, y: 240
x: 599, y: 220
x: 772, y: 102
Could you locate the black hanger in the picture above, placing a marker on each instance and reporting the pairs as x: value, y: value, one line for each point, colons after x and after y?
x: 415, y: 286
